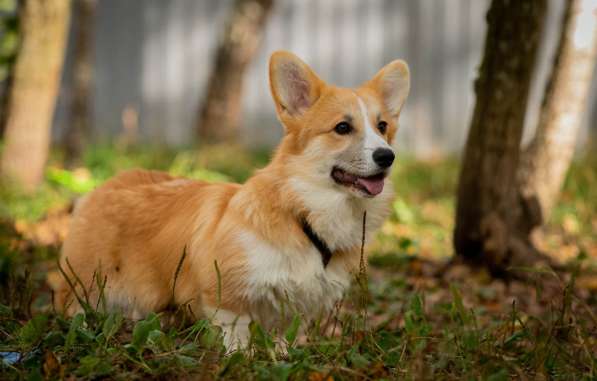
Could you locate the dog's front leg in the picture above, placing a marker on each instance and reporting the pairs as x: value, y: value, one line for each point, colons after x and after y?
x: 235, y: 327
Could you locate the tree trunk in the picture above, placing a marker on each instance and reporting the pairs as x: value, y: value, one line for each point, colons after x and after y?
x: 43, y: 28
x: 487, y: 188
x: 545, y: 161
x: 220, y: 113
x: 79, y: 127
x: 9, y: 31
x: 4, y: 98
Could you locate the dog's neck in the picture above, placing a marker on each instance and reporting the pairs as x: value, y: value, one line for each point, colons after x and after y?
x: 281, y: 199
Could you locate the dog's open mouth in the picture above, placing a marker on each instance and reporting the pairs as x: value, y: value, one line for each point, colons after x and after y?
x: 370, y: 185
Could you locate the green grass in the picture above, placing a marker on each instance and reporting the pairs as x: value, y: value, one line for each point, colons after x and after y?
x: 415, y: 319
x: 401, y: 336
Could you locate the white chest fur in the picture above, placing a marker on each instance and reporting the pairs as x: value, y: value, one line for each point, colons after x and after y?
x: 337, y: 217
x: 283, y: 281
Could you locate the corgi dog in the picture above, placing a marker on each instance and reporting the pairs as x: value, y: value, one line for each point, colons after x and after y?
x: 286, y: 242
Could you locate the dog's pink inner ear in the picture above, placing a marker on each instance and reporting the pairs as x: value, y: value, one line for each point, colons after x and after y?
x: 393, y: 84
x: 294, y: 85
x: 297, y: 88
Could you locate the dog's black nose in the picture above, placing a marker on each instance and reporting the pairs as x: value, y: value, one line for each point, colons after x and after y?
x: 384, y: 157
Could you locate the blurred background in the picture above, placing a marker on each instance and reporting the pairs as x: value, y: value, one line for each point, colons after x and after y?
x: 92, y: 87
x: 151, y: 63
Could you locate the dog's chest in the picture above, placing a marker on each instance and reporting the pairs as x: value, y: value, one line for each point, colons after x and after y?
x: 337, y: 217
x: 282, y: 280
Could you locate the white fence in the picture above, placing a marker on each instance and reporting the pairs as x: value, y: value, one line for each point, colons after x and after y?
x: 153, y: 57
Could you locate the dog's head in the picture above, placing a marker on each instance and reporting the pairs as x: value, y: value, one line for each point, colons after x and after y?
x: 340, y: 136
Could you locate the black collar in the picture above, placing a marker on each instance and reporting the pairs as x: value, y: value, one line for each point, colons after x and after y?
x: 324, y: 250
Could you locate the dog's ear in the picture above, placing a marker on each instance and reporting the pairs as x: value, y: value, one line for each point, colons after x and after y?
x: 294, y: 86
x: 392, y: 83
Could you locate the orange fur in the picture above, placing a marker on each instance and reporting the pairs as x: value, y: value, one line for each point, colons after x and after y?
x: 132, y: 231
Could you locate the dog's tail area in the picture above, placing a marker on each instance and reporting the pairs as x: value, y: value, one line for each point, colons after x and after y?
x: 134, y: 177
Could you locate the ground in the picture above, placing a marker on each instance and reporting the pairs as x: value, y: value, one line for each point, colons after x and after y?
x: 415, y: 314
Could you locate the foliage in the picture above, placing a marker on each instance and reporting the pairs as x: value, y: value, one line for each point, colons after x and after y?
x: 424, y: 207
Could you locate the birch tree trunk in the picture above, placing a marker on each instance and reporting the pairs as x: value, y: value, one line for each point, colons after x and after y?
x: 546, y: 160
x: 487, y: 191
x: 43, y: 28
x: 219, y: 117
x: 77, y: 134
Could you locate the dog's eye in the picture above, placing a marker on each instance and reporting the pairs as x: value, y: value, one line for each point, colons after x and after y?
x: 343, y: 128
x: 382, y: 127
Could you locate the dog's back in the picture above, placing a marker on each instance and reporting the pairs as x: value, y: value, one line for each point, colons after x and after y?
x: 137, y: 177
x: 132, y: 228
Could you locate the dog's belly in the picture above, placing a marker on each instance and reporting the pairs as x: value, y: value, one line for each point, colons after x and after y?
x: 283, y: 282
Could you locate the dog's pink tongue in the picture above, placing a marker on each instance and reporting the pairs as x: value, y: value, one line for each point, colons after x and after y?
x: 374, y: 186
